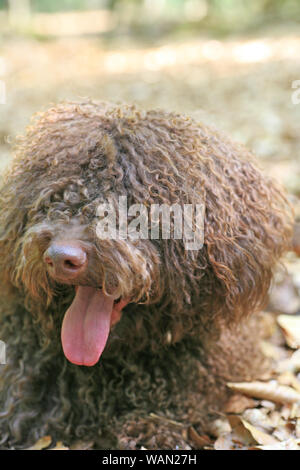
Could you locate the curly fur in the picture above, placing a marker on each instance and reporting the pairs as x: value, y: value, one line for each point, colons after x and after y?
x: 186, y: 331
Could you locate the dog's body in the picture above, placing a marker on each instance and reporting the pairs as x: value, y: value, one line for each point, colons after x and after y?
x: 169, y: 325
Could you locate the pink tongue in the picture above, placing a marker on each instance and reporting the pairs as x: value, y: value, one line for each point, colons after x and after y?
x: 86, y: 326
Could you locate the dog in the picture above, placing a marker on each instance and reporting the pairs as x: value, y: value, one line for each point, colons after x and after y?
x: 111, y: 339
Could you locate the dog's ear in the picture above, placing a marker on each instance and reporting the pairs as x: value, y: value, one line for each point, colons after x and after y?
x: 243, y: 245
x: 229, y: 277
x: 241, y: 271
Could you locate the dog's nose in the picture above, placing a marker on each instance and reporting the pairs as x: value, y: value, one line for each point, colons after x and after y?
x: 65, y: 261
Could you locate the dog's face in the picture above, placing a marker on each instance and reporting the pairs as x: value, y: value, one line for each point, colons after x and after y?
x: 105, y: 275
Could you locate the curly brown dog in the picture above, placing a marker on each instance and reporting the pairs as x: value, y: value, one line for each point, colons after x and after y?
x: 102, y: 333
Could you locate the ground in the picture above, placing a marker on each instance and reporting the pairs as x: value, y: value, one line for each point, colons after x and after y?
x: 243, y: 86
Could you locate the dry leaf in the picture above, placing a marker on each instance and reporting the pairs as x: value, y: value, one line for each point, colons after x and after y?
x: 290, y: 444
x: 284, y: 297
x: 297, y: 429
x: 285, y: 412
x: 238, y: 403
x: 268, y: 404
x: 240, y: 430
x: 59, y: 446
x: 258, y: 417
x: 198, y: 441
x: 41, y: 443
x: 282, y: 433
x: 290, y: 325
x: 287, y: 378
x: 275, y: 419
x: 267, y: 390
x: 295, y: 411
x: 292, y: 363
x: 245, y: 430
x: 219, y: 427
x: 224, y: 443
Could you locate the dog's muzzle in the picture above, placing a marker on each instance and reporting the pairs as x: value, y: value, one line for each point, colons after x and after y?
x: 66, y: 261
x: 88, y: 320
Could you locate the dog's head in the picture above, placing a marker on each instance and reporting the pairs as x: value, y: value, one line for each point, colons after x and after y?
x: 75, y: 160
x: 105, y: 274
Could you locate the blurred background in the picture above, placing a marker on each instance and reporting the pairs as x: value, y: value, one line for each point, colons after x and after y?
x: 231, y: 63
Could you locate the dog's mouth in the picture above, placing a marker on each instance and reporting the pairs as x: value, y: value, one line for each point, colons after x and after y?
x: 87, y: 323
x: 88, y: 320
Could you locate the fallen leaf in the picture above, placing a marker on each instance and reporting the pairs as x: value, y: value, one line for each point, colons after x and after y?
x: 287, y: 378
x: 284, y: 297
x: 238, y: 403
x: 199, y: 441
x: 268, y: 404
x: 295, y: 411
x: 283, y: 433
x: 219, y: 427
x: 250, y: 433
x: 286, y: 412
x: 258, y: 417
x: 275, y: 419
x: 297, y: 429
x: 41, y: 443
x: 290, y: 325
x: 224, y: 443
x: 240, y: 431
x: 267, y: 390
x: 59, y: 446
x: 292, y: 363
x: 290, y: 444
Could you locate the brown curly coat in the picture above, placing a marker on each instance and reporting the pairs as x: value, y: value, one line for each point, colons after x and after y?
x: 185, y: 331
